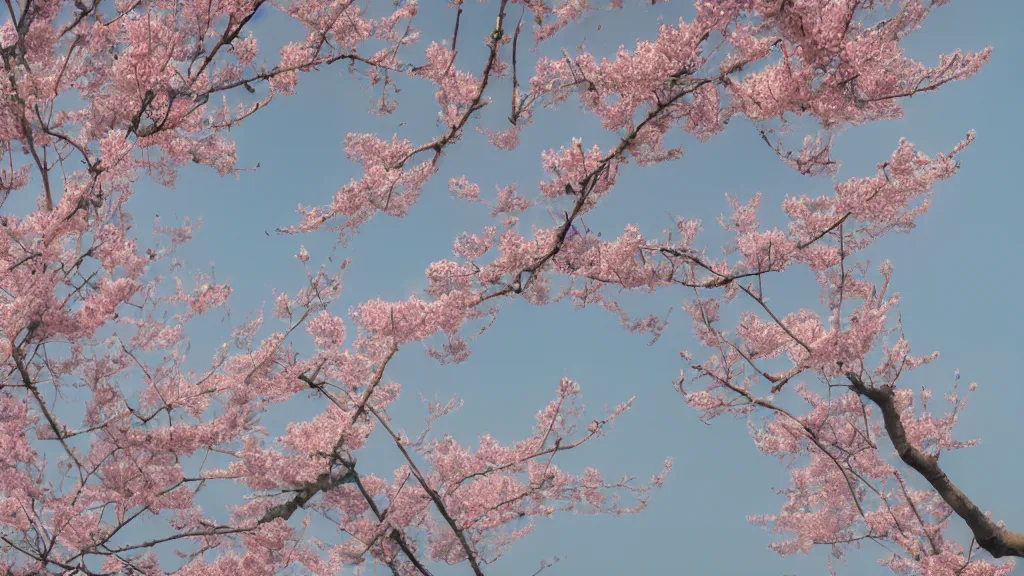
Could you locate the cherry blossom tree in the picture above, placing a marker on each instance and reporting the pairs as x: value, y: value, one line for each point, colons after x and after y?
x: 107, y: 429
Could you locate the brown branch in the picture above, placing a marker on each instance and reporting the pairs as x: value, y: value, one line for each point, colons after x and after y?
x: 585, y: 185
x: 434, y: 496
x: 19, y: 362
x: 352, y: 476
x: 376, y: 380
x: 395, y: 534
x: 324, y: 482
x: 477, y: 103
x: 997, y: 540
x: 228, y: 36
x: 516, y: 107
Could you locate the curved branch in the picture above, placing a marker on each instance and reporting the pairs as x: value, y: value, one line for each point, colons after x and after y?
x: 997, y: 540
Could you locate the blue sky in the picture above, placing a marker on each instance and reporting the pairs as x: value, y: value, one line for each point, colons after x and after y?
x: 955, y: 272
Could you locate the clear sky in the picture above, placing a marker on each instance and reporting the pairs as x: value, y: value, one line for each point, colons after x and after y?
x: 956, y: 274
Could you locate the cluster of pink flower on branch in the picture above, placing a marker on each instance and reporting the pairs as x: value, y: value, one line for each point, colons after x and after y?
x: 145, y: 450
x: 98, y: 378
x: 103, y: 94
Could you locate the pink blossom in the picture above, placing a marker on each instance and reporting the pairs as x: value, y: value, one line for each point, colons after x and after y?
x: 108, y: 423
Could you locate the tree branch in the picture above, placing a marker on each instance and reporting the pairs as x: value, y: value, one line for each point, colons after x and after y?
x: 997, y: 540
